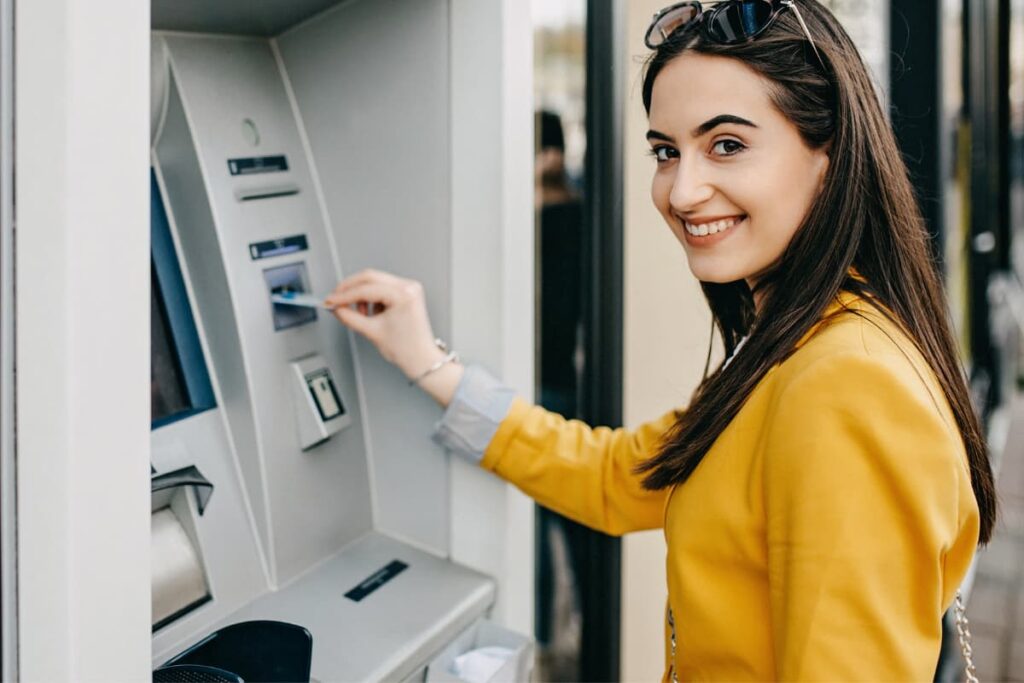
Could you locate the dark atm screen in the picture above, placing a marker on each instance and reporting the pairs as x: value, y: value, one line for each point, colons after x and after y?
x: 168, y: 393
x: 179, y: 381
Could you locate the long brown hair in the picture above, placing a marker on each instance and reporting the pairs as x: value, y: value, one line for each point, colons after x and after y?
x: 866, y: 217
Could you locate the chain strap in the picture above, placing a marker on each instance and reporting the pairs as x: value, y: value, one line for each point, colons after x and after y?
x: 963, y: 632
x: 672, y: 632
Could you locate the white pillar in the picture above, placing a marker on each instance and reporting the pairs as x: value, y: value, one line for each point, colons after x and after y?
x: 82, y: 326
x: 492, y: 271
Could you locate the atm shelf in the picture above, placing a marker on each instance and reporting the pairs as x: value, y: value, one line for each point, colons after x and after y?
x: 403, y: 615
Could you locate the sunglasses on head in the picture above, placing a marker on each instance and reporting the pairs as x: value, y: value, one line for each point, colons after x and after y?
x: 727, y: 23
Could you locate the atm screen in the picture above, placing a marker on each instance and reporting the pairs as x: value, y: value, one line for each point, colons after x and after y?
x: 179, y: 381
x: 168, y: 391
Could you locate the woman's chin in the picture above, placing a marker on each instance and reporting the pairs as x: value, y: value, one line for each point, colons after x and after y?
x: 715, y: 275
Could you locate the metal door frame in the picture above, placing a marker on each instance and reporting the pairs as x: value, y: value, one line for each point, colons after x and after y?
x: 8, y: 488
x: 981, y: 75
x: 602, y: 380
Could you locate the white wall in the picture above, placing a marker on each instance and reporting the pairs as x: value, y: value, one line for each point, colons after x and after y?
x: 667, y: 326
x: 82, y: 116
x: 867, y: 22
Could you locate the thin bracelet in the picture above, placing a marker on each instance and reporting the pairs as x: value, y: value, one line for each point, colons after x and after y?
x: 450, y: 356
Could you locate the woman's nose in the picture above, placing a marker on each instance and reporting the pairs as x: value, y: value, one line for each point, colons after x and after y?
x: 690, y: 188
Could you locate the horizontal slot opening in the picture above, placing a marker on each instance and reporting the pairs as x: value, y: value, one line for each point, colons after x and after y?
x: 248, y: 195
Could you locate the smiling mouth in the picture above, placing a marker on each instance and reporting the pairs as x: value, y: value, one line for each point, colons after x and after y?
x: 711, y: 228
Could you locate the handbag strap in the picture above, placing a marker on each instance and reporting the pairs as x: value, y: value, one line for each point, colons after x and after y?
x: 963, y: 632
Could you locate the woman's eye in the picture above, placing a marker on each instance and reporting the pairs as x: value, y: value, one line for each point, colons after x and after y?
x: 663, y: 153
x: 727, y: 148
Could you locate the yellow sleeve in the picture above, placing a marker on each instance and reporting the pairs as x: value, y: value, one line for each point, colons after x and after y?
x: 864, y: 498
x: 583, y: 473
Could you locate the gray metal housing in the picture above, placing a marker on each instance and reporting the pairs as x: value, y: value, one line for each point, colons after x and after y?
x: 358, y: 98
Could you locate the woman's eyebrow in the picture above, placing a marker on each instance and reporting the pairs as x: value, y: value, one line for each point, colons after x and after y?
x: 655, y: 135
x: 711, y: 124
x: 704, y: 128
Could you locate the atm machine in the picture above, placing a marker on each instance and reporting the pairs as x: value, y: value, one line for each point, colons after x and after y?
x: 292, y: 474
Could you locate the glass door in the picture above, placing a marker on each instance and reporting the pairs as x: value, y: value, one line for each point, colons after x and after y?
x: 578, y: 187
x: 560, y: 143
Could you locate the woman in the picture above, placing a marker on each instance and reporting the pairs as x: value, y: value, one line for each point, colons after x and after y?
x: 824, y: 492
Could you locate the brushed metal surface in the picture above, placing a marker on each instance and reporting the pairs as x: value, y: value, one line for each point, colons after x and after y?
x: 236, y: 17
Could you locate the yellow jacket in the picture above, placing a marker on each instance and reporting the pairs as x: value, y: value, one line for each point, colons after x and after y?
x: 823, y: 535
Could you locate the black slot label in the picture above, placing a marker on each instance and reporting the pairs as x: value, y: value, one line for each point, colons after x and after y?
x: 250, y: 165
x: 376, y: 580
x: 279, y: 247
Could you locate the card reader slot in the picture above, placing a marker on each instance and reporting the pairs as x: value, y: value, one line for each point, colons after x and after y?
x: 290, y: 279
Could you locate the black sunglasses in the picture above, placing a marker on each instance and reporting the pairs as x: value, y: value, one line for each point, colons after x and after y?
x: 727, y: 23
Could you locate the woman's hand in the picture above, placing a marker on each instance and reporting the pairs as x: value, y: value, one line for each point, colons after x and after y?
x: 391, y: 312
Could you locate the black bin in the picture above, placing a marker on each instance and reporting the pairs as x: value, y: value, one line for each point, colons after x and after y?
x: 250, y: 651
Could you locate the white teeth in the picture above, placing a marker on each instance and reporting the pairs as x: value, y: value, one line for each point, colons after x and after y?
x: 710, y: 228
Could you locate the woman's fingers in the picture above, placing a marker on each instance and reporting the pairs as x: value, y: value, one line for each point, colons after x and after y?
x: 391, y: 313
x: 356, y: 321
x: 372, y: 292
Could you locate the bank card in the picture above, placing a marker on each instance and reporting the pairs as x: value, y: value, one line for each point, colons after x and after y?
x: 299, y: 299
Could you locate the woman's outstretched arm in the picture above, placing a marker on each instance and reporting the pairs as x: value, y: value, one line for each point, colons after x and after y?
x: 391, y: 312
x: 581, y: 472
x: 585, y: 473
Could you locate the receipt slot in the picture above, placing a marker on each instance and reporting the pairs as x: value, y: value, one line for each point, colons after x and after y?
x: 319, y: 410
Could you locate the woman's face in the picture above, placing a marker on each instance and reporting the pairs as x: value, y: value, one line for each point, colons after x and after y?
x: 734, y: 179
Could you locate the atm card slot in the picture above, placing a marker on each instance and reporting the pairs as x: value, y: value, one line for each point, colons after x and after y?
x: 290, y: 280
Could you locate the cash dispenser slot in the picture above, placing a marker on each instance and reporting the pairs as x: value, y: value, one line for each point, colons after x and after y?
x: 248, y: 194
x: 179, y: 580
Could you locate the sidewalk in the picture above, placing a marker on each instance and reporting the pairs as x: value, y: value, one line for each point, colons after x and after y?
x: 996, y: 606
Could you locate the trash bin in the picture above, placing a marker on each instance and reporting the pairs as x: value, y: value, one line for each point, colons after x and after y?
x: 484, y: 653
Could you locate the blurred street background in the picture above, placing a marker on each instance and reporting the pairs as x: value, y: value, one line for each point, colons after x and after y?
x: 951, y: 74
